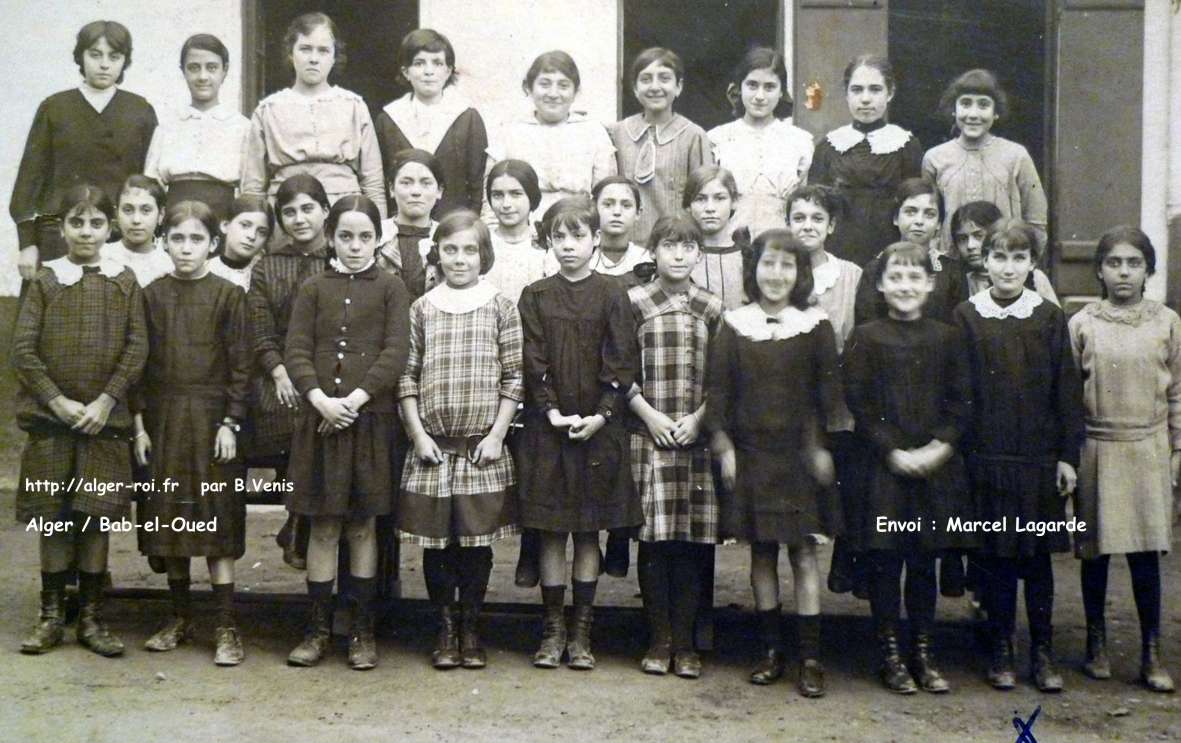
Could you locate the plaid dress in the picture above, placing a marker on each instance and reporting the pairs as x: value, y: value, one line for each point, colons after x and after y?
x: 676, y: 486
x: 463, y: 360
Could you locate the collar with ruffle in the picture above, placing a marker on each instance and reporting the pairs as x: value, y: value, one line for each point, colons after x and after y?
x: 1021, y: 309
x: 883, y: 141
x: 825, y: 276
x: 461, y: 301
x: 69, y: 273
x: 1143, y: 311
x: 751, y: 322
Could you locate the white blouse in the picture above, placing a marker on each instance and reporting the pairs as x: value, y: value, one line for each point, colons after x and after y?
x: 768, y: 163
x: 199, y: 145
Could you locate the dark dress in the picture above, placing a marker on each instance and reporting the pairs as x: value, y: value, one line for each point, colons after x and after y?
x: 460, y: 153
x: 408, y: 264
x: 768, y: 395
x: 198, y: 372
x: 71, y: 143
x: 347, y: 331
x: 907, y: 383
x: 580, y: 357
x: 867, y: 181
x: 951, y: 288
x: 1027, y: 416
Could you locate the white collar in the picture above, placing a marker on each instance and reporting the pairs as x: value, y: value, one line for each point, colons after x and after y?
x: 750, y: 321
x: 1021, y: 309
x: 98, y: 99
x: 341, y: 268
x: 461, y: 301
x: 574, y: 117
x: 882, y: 141
x: 824, y: 276
x: 220, y: 112
x: 69, y: 273
x: 633, y: 255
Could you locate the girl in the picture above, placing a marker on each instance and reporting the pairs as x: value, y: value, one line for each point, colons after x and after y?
x: 1129, y: 351
x: 866, y: 160
x: 767, y: 154
x: 513, y: 193
x: 140, y: 213
x: 569, y: 151
x: 970, y: 225
x: 1023, y: 444
x: 251, y: 221
x: 670, y: 460
x: 978, y: 165
x: 658, y: 148
x: 777, y: 353
x: 457, y: 396
x: 195, y: 389
x: 617, y: 200
x: 313, y: 127
x: 346, y: 348
x: 79, y: 345
x: 579, y: 351
x: 302, y: 206
x: 416, y: 185
x: 913, y: 430
x: 710, y: 196
x: 95, y: 133
x: 198, y: 155
x: 434, y: 117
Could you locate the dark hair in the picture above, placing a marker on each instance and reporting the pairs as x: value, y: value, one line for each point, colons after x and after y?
x: 250, y: 203
x: 520, y: 171
x: 876, y: 62
x: 906, y: 253
x: 458, y: 221
x: 422, y: 157
x: 305, y: 25
x: 826, y: 197
x: 117, y: 36
x: 678, y: 227
x: 1133, y: 236
x: 617, y: 180
x: 778, y: 239
x: 1010, y: 235
x: 427, y: 40
x: 760, y: 58
x: 87, y: 196
x: 154, y: 189
x: 353, y: 203
x: 207, y: 43
x: 301, y: 183
x: 701, y: 177
x: 569, y: 212
x: 555, y: 61
x: 974, y: 82
x: 911, y: 187
x: 980, y: 213
x: 657, y: 54
x: 180, y: 213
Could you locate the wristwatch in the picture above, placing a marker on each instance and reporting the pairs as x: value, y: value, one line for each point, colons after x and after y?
x: 231, y: 424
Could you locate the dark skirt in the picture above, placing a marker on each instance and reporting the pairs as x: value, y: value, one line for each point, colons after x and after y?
x: 1026, y: 489
x: 852, y: 458
x: 933, y: 503
x: 349, y: 474
x: 90, y: 474
x: 190, y: 488
x: 568, y: 486
x: 216, y: 195
x: 268, y: 432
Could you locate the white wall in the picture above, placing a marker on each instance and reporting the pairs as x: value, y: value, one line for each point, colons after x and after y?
x: 42, y: 37
x: 1154, y: 174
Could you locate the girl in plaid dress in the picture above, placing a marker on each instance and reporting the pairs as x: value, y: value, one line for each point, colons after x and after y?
x: 459, y: 392
x: 670, y: 459
x: 78, y: 346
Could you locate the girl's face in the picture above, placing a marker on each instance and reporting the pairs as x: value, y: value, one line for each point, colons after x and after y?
x: 428, y: 74
x: 303, y: 218
x: 459, y: 257
x: 761, y: 92
x: 85, y: 230
x: 246, y: 235
x: 354, y: 240
x: 905, y: 287
x: 313, y: 55
x: 775, y: 275
x: 810, y: 223
x: 102, y: 65
x: 573, y: 247
x: 868, y: 95
x: 618, y: 209
x: 711, y: 207
x: 917, y: 219
x: 657, y: 87
x: 138, y: 217
x: 189, y: 245
x: 1008, y: 270
x: 1123, y: 272
x: 675, y: 259
x: 509, y: 201
x: 204, y: 74
x: 416, y: 191
x: 969, y: 241
x: 553, y: 94
x: 974, y: 115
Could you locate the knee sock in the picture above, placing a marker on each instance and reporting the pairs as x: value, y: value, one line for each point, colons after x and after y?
x: 1145, y: 569
x: 54, y: 581
x: 1000, y: 584
x: 584, y: 592
x: 685, y: 591
x: 223, y: 595
x: 770, y: 630
x: 921, y: 591
x: 1093, y: 575
x: 438, y: 570
x: 475, y: 568
x: 89, y: 585
x: 885, y: 596
x: 362, y: 591
x: 553, y: 596
x: 320, y: 590
x: 809, y: 629
x: 652, y: 570
x: 182, y: 600
x: 1039, y: 597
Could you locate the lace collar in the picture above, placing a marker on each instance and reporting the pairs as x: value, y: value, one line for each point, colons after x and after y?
x: 1144, y: 311
x: 750, y: 321
x: 882, y: 141
x: 826, y: 275
x: 1021, y: 309
x: 69, y: 273
x: 461, y: 301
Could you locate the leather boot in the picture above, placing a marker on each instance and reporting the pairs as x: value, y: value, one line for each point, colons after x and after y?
x: 770, y: 667
x: 578, y: 646
x: 1097, y: 665
x: 659, y: 656
x: 446, y: 653
x: 1045, y: 674
x: 229, y: 650
x: 316, y: 636
x: 553, y: 638
x: 922, y: 664
x: 893, y: 671
x: 362, y: 644
x: 1001, y: 673
x: 471, y: 654
x: 1152, y: 668
x: 92, y: 631
x: 810, y: 682
x: 50, y: 626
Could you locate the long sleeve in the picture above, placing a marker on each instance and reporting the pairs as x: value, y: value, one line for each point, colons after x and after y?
x: 929, y: 171
x: 255, y: 177
x: 152, y: 160
x: 720, y: 374
x: 1034, y: 208
x: 509, y: 344
x: 620, y: 353
x: 1068, y: 393
x: 135, y: 348
x: 268, y: 346
x: 35, y: 168
x: 476, y: 162
x: 30, y: 369
x: 236, y: 336
x: 956, y: 412
x: 384, y: 373
x: 408, y: 382
x: 1173, y: 390
x: 829, y: 390
x: 301, y: 340
x: 369, y: 169
x: 535, y: 354
x: 912, y: 158
x: 868, y: 303
x: 819, y: 172
x: 701, y: 152
x: 863, y: 394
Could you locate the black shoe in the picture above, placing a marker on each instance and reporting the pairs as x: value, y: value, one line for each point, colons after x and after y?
x: 446, y: 654
x: 892, y: 670
x: 810, y: 683
x: 578, y: 644
x: 922, y: 666
x: 92, y: 630
x: 1152, y: 669
x: 1001, y: 673
x: 553, y: 638
x: 770, y: 667
x: 687, y: 664
x: 470, y: 653
x: 50, y: 625
x: 1097, y: 665
x: 1045, y: 674
x: 316, y: 637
